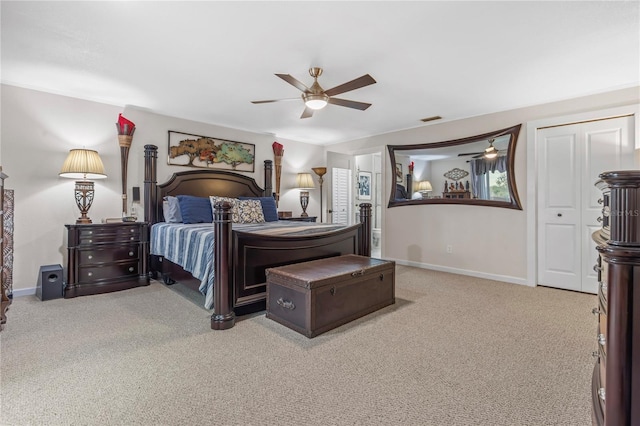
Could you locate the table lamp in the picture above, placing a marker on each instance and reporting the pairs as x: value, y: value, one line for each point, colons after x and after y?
x: 304, y: 181
x: 83, y: 164
x: 424, y: 187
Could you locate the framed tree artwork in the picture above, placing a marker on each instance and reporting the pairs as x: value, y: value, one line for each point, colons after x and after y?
x: 210, y: 153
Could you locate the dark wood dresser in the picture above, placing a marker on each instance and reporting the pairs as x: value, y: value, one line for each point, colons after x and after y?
x: 106, y: 257
x: 616, y: 376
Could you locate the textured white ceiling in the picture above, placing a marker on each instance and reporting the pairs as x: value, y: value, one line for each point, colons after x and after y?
x: 206, y: 61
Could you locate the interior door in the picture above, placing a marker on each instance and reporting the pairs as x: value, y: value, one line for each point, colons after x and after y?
x: 340, y: 182
x: 570, y: 158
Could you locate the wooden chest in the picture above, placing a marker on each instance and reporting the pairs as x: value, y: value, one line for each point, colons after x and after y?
x: 319, y: 295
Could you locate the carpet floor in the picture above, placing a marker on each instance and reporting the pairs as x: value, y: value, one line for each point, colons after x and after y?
x: 452, y: 350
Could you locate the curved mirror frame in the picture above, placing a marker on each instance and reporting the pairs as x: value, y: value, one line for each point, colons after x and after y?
x: 461, y: 166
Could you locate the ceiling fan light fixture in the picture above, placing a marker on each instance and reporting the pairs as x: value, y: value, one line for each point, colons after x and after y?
x: 315, y: 101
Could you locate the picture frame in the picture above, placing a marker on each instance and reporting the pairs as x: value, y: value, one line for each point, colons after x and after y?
x: 399, y: 175
x: 364, y: 185
x: 190, y: 150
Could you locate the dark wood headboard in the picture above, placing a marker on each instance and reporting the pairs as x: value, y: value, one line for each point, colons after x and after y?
x: 201, y: 183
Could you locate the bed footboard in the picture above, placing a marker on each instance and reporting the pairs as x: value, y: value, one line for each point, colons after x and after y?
x: 242, y: 258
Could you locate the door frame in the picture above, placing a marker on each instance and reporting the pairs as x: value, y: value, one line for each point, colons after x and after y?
x: 532, y: 167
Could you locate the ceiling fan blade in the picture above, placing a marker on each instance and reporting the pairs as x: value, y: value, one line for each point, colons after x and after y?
x: 349, y: 104
x: 274, y: 100
x: 359, y: 82
x: 308, y: 112
x: 294, y: 82
x: 470, y: 153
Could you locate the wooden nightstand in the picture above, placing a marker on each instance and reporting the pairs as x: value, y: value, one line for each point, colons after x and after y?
x: 301, y: 219
x: 106, y: 257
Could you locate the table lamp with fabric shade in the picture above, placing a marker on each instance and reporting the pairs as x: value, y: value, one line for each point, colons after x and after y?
x: 304, y: 181
x: 83, y: 164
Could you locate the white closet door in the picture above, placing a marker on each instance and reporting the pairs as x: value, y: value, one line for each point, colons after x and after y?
x: 341, y: 196
x: 570, y: 158
x: 559, y: 238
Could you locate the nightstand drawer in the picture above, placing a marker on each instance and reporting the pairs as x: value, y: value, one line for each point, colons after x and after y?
x: 108, y: 235
x: 109, y: 254
x: 89, y: 274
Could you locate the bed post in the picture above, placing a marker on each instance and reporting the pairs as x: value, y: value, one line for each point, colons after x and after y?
x: 223, y: 316
x: 150, y: 190
x: 365, y: 229
x: 268, y: 173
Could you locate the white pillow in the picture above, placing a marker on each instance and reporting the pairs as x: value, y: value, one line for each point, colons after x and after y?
x: 250, y: 211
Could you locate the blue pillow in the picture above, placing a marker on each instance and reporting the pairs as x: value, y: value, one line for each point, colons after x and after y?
x: 195, y: 209
x: 269, y: 209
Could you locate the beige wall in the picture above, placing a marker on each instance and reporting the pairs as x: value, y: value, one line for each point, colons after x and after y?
x: 486, y: 241
x: 39, y: 129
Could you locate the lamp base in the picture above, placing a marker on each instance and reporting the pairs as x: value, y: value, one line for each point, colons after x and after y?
x: 304, y: 202
x: 84, y: 198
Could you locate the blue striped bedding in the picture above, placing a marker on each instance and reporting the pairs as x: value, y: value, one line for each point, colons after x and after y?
x: 190, y: 245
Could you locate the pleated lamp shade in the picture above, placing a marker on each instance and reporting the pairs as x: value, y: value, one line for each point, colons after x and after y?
x: 83, y: 164
x: 304, y: 181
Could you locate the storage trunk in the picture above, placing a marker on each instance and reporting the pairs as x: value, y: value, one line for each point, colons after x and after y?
x: 316, y: 296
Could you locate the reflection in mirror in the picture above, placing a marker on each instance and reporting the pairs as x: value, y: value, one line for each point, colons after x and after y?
x: 477, y: 170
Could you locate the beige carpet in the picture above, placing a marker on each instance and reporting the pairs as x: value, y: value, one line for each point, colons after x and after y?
x: 453, y: 350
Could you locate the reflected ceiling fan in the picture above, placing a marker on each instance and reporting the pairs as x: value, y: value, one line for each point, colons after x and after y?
x: 315, y: 97
x: 490, y: 152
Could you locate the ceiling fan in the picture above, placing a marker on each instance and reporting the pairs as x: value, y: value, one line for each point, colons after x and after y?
x: 315, y: 97
x: 490, y: 152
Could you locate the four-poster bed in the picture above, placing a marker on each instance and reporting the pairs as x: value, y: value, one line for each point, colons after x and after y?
x: 241, y: 258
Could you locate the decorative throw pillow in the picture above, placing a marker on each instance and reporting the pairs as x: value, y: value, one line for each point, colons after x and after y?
x: 233, y: 201
x: 269, y: 209
x: 250, y: 211
x: 195, y: 209
x: 171, y: 210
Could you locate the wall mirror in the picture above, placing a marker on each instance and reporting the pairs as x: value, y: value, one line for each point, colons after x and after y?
x: 477, y: 170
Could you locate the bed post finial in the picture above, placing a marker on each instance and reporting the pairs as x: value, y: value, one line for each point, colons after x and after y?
x: 365, y: 230
x: 150, y: 191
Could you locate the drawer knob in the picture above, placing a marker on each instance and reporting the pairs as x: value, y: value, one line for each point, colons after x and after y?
x: 601, y: 393
x: 601, y: 339
x: 595, y: 354
x: 600, y: 201
x: 595, y: 311
x: 131, y: 268
x: 132, y: 238
x: 287, y: 304
x: 89, y: 274
x: 90, y: 257
x: 130, y: 253
x: 90, y: 241
x: 132, y: 230
x: 357, y: 273
x: 90, y: 232
x: 599, y: 219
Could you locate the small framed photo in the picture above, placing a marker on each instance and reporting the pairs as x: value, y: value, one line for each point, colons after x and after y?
x: 399, y: 175
x: 364, y: 185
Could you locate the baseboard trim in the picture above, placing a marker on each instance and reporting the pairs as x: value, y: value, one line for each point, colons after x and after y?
x: 24, y: 292
x: 477, y: 274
